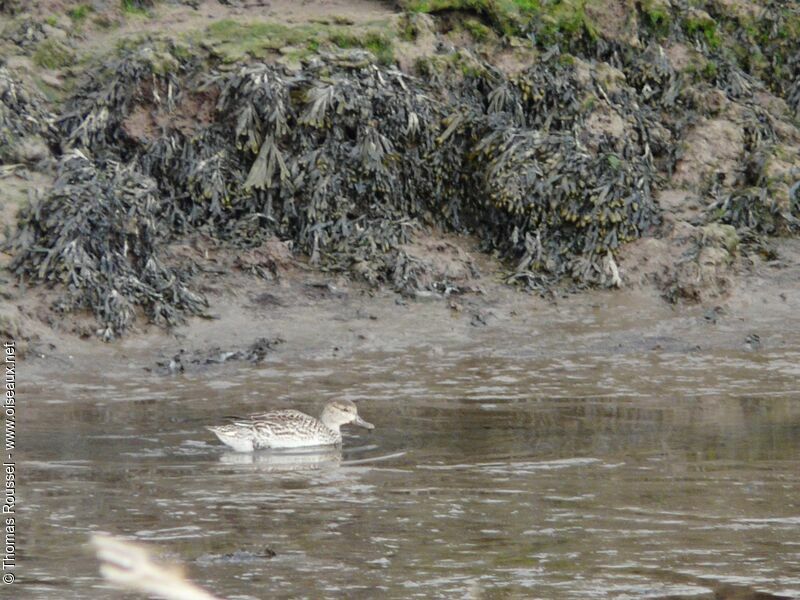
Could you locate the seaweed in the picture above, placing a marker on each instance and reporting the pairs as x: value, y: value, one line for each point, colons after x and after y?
x: 752, y: 209
x: 10, y: 6
x: 348, y: 156
x: 23, y: 116
x: 184, y: 361
x: 346, y: 161
x: 103, y: 231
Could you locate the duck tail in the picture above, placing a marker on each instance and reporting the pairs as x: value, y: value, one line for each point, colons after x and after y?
x: 232, y: 436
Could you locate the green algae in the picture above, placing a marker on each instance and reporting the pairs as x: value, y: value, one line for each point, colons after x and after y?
x: 52, y: 54
x: 703, y: 26
x: 657, y: 16
x: 478, y: 31
x: 80, y: 13
x: 551, y: 20
x: 234, y: 40
x: 137, y: 8
x: 378, y: 43
x: 507, y: 16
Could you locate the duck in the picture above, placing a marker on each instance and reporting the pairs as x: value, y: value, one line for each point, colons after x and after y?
x: 284, y: 429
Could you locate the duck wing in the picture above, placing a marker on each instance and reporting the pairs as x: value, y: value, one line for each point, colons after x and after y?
x: 291, y: 429
x: 280, y: 414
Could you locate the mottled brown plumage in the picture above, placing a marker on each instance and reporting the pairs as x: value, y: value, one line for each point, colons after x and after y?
x: 290, y: 428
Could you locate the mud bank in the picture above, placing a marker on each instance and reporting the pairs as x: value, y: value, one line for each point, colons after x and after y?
x: 306, y: 315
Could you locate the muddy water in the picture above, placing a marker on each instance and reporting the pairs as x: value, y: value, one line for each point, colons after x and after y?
x: 611, y: 473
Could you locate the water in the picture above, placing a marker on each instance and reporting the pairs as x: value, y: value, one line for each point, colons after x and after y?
x: 616, y: 472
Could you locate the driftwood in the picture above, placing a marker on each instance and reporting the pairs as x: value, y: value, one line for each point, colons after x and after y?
x: 133, y: 567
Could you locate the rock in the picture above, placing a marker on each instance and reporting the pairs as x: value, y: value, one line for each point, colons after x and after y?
x: 11, y: 329
x: 713, y: 146
x: 753, y: 341
x: 715, y: 101
x: 679, y: 205
x: 742, y: 9
x: 9, y: 325
x: 426, y: 295
x: 52, y: 79
x: 680, y: 56
x: 696, y: 264
x: 700, y: 16
x: 438, y: 264
x: 583, y: 72
x: 703, y: 279
x: 616, y: 18
x: 54, y: 33
x: 708, y: 276
x: 604, y: 123
x: 30, y: 150
x: 279, y: 252
x: 710, y: 258
x: 15, y: 63
x: 162, y: 62
x: 611, y: 78
x: 722, y: 236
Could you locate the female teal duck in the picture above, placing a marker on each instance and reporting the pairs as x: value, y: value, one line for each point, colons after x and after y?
x: 290, y: 428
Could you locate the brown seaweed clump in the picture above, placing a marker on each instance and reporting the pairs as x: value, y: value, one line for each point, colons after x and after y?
x: 345, y: 161
x: 10, y: 6
x: 105, y: 229
x: 26, y: 126
x: 554, y: 168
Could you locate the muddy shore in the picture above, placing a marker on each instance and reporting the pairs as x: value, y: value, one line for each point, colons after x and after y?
x: 307, y: 315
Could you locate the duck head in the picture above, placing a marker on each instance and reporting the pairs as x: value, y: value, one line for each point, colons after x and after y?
x: 342, y: 412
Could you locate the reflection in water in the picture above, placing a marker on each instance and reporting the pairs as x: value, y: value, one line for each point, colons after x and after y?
x: 273, y: 461
x: 493, y: 475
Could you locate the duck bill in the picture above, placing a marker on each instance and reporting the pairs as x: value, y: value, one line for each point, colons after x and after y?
x: 362, y: 423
